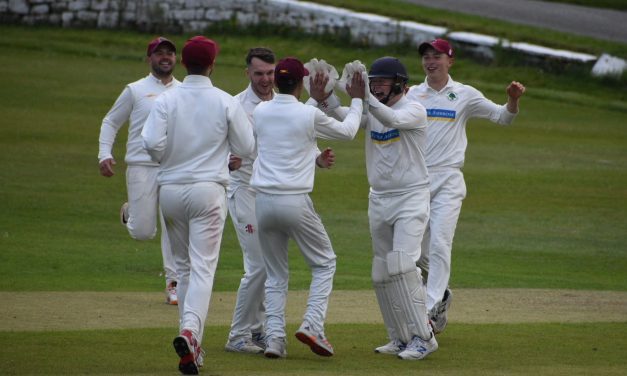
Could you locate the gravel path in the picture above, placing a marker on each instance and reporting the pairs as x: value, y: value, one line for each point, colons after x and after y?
x: 593, y: 22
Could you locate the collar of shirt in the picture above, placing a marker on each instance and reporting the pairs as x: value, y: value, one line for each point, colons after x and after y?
x: 285, y: 98
x: 449, y: 84
x: 253, y: 97
x: 197, y: 80
x: 158, y: 80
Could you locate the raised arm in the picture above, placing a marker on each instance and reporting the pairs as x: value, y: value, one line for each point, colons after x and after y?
x: 514, y: 90
x: 410, y: 116
x: 327, y: 127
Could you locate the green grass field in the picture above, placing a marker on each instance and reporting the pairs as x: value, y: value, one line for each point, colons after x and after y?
x: 546, y: 208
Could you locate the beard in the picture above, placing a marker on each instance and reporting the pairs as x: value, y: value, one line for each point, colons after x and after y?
x: 160, y: 71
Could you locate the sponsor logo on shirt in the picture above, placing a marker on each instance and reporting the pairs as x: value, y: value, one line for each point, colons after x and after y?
x: 440, y: 114
x: 385, y: 137
x: 151, y: 95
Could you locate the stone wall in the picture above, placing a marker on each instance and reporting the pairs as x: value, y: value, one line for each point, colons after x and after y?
x: 190, y: 16
x: 194, y: 16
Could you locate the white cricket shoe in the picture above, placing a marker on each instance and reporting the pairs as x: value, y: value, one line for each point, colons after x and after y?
x: 316, y: 341
x: 418, y: 348
x: 275, y: 348
x: 394, y: 347
x: 439, y: 314
x: 124, y: 214
x: 170, y: 294
x: 243, y: 345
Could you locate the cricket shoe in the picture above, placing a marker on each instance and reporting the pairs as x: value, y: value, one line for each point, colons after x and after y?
x: 259, y: 339
x: 124, y: 214
x: 418, y: 348
x: 394, y: 347
x: 316, y: 341
x: 170, y: 294
x: 188, y: 350
x: 275, y: 348
x: 439, y: 314
x: 243, y: 345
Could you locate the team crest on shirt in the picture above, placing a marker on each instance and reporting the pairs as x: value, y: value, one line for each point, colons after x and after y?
x: 452, y: 96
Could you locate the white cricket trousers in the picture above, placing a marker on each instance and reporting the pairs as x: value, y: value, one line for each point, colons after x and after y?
x: 249, y: 314
x: 194, y: 216
x: 398, y: 222
x: 143, y: 209
x: 448, y: 190
x: 281, y: 217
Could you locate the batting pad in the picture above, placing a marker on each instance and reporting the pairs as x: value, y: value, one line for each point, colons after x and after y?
x: 393, y: 317
x: 409, y: 291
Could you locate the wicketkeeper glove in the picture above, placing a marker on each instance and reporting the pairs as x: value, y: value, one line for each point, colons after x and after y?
x: 320, y: 66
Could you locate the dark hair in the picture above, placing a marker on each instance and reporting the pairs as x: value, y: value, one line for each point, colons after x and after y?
x: 286, y: 86
x: 262, y: 53
x: 195, y: 69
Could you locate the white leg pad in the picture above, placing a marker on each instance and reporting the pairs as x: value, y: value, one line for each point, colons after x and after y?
x: 410, y: 292
x: 393, y: 317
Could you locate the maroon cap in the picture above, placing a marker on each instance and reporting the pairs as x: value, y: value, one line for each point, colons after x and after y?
x: 152, y: 46
x: 439, y: 45
x: 290, y: 69
x: 200, y: 51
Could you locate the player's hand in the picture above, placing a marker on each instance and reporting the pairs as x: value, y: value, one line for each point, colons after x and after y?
x: 235, y: 162
x: 317, y: 84
x: 106, y: 167
x: 515, y: 90
x: 357, y: 88
x: 326, y: 159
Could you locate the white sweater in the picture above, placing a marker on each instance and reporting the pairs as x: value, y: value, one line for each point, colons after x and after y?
x: 241, y: 177
x: 286, y: 132
x: 191, y: 130
x: 133, y: 105
x: 395, y: 144
x: 448, y: 110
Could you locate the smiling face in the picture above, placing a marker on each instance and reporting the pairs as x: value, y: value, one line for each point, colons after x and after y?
x: 436, y: 65
x: 261, y: 76
x: 162, y: 61
x: 383, y: 89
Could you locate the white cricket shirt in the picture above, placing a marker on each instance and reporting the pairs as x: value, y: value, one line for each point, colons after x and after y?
x: 395, y: 143
x: 133, y: 105
x: 448, y: 110
x: 241, y: 177
x: 286, y: 131
x: 191, y: 130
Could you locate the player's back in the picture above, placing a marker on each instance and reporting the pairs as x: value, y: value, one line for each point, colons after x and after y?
x: 286, y: 146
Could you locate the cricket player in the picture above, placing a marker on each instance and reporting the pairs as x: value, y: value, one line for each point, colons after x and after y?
x: 190, y: 132
x: 247, y: 332
x: 449, y: 105
x: 398, y: 208
x: 140, y: 213
x: 283, y: 176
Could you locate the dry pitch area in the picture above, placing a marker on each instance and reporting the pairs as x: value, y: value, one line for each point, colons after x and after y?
x: 42, y: 311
